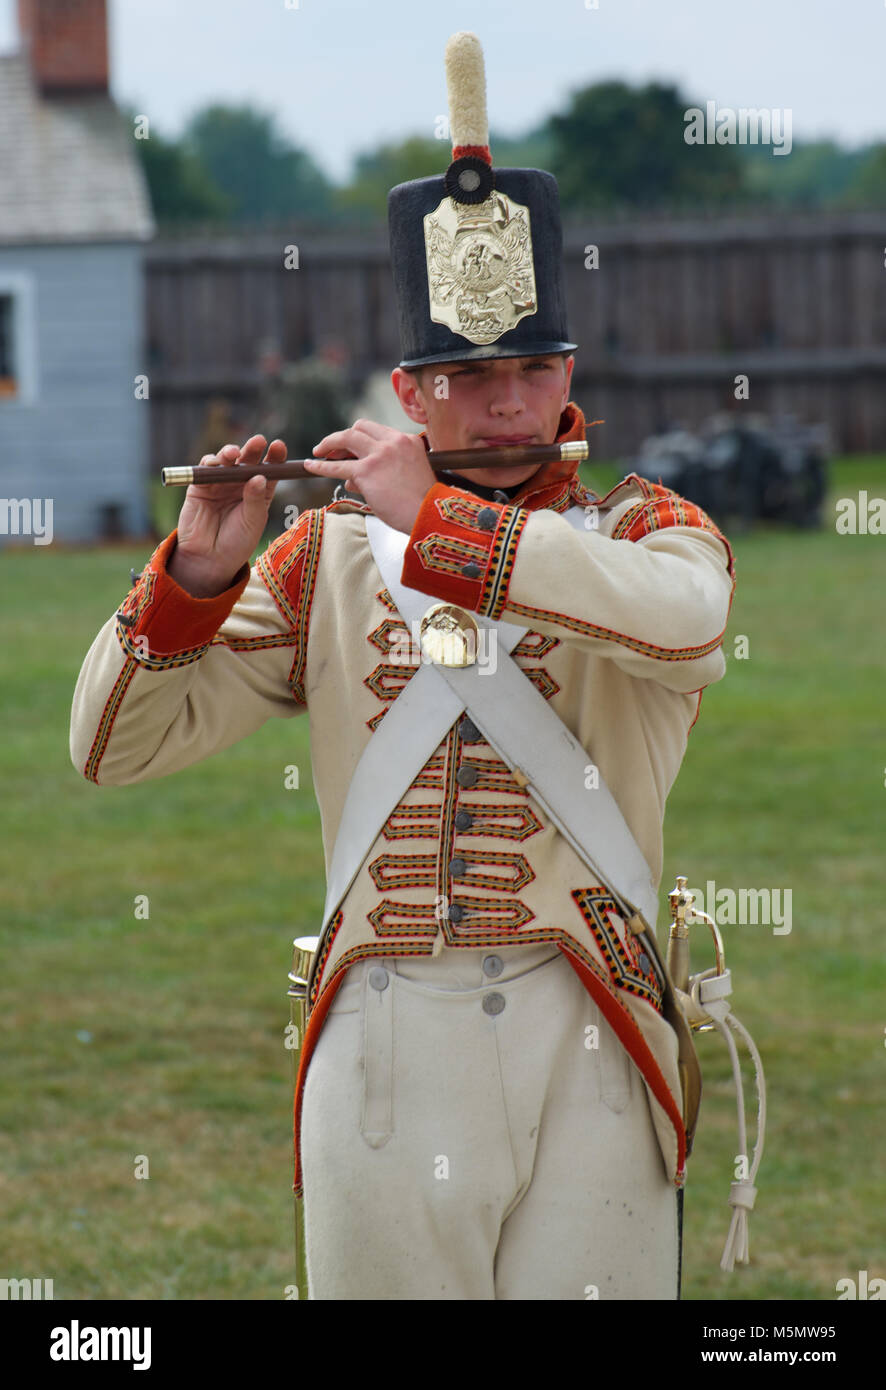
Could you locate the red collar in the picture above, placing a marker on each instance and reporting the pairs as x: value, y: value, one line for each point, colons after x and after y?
x: 551, y: 480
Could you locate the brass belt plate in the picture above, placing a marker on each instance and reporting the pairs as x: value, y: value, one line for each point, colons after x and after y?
x: 449, y: 635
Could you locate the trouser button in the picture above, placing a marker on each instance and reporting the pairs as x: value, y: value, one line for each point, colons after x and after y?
x: 493, y: 1003
x: 493, y: 965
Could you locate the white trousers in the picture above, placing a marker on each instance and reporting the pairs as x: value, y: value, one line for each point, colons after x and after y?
x: 472, y: 1129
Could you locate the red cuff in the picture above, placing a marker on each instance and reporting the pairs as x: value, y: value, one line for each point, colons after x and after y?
x: 461, y: 549
x: 173, y: 622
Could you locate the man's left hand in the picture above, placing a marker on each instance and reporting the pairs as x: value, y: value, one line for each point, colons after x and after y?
x: 388, y: 468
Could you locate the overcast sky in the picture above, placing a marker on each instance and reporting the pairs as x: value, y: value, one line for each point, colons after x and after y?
x: 343, y: 75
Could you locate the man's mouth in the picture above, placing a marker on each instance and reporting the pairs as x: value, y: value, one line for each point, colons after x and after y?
x: 504, y: 439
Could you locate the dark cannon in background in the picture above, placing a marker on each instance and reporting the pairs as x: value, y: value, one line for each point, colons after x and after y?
x: 743, y: 470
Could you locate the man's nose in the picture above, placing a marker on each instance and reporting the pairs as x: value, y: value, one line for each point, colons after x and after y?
x: 507, y: 398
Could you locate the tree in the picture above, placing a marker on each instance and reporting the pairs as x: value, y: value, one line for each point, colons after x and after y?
x: 867, y: 187
x: 417, y: 157
x: 181, y: 190
x: 265, y: 178
x: 377, y: 171
x: 618, y: 145
x: 816, y: 174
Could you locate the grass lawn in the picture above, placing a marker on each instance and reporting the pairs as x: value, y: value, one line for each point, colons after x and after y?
x: 163, y: 1037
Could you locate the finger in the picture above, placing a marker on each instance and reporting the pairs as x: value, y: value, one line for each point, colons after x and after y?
x: 256, y: 484
x: 257, y: 494
x: 353, y: 440
x: 252, y: 450
x: 226, y: 454
x: 276, y: 452
x: 330, y: 467
x: 258, y: 489
x: 204, y: 491
x: 330, y: 442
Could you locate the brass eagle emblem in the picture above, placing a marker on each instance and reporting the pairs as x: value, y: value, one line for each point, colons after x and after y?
x: 481, y: 280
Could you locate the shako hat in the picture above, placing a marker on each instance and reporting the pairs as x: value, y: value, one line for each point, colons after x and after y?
x: 476, y: 253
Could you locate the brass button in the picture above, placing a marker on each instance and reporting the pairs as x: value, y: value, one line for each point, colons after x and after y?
x: 457, y: 868
x: 466, y: 776
x: 463, y: 820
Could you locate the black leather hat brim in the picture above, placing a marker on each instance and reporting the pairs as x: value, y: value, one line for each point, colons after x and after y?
x: 490, y: 352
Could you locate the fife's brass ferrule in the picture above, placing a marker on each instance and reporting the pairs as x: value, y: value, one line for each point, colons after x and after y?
x: 574, y: 450
x: 175, y: 477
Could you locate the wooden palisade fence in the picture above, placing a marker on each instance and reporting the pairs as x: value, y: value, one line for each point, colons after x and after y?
x: 671, y: 315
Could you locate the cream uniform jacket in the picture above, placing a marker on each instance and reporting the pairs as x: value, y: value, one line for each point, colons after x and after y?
x: 625, y: 620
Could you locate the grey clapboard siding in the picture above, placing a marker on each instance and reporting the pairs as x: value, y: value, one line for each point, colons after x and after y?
x: 84, y: 440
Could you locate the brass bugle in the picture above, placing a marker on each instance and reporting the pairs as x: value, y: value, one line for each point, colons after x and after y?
x: 441, y: 461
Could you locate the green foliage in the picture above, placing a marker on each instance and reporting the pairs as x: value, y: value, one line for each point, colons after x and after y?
x: 531, y: 151
x: 179, y: 184
x: 379, y: 170
x: 816, y: 175
x: 616, y: 145
x: 613, y: 146
x: 265, y: 178
x: 867, y: 186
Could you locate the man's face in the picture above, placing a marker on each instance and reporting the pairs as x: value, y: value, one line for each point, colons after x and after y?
x: 478, y: 405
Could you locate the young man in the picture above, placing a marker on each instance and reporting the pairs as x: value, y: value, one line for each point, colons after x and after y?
x: 494, y: 1098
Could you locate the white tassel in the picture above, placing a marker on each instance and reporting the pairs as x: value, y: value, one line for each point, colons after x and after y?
x: 742, y: 1194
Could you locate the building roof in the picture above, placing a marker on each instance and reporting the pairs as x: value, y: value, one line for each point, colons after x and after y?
x: 68, y: 170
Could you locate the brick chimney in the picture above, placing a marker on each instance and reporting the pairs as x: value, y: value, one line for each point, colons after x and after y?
x: 68, y: 43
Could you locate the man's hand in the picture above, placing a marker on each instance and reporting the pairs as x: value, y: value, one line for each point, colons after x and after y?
x: 220, y: 524
x: 388, y: 468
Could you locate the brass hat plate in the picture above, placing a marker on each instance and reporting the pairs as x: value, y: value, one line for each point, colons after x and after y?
x: 481, y: 278
x: 449, y: 635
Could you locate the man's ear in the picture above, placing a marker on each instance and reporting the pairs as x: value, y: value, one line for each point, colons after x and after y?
x: 569, y: 363
x: 408, y: 391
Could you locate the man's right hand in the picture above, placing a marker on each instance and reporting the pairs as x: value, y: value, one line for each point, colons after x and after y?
x: 220, y: 524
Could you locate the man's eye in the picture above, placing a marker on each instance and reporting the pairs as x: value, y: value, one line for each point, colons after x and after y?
x: 539, y: 366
